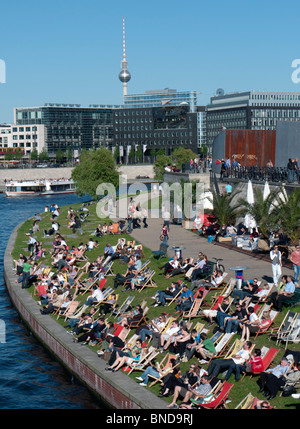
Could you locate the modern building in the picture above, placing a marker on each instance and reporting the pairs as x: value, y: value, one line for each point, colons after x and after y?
x: 162, y: 97
x: 69, y: 127
x: 154, y: 128
x: 253, y: 110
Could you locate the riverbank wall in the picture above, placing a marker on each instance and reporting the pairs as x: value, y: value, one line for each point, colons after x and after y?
x: 117, y: 390
x: 131, y: 171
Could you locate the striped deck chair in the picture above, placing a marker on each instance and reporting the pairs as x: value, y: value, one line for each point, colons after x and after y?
x: 87, y: 286
x: 268, y: 354
x: 221, y: 346
x: 246, y: 403
x: 294, y: 334
x: 219, y: 397
x: 285, y: 326
x: 194, y: 310
x: 108, y: 269
x: 70, y: 311
x: 143, y: 319
x: 124, y: 307
x: 106, y: 294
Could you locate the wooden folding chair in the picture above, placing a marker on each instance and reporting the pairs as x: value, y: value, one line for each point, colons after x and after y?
x: 219, y: 397
x: 164, y: 367
x: 147, y: 282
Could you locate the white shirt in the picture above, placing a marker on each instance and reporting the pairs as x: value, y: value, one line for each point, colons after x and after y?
x: 244, y: 356
x: 97, y: 294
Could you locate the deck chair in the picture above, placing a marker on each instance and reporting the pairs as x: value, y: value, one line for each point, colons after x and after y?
x: 294, y: 334
x: 246, y: 403
x: 70, y: 311
x: 221, y: 346
x: 163, y: 249
x: 219, y: 397
x: 271, y: 327
x: 143, y: 319
x: 268, y: 355
x: 285, y: 326
x: 87, y: 286
x: 147, y: 282
x: 142, y: 364
x: 172, y: 299
x: 194, y: 310
x: 164, y: 367
x: 106, y: 294
x: 124, y: 307
x: 108, y: 269
x: 229, y: 287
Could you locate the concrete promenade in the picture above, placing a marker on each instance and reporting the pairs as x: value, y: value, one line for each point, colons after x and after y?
x: 193, y: 243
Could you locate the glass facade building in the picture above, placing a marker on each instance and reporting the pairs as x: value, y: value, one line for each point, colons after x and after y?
x: 254, y: 110
x: 155, y: 128
x: 163, y: 97
x: 70, y: 127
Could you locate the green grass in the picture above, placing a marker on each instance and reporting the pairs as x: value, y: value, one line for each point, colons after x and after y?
x: 240, y: 389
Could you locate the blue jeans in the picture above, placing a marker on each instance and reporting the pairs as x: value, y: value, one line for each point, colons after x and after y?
x: 143, y: 333
x: 221, y: 317
x: 232, y: 325
x: 150, y: 370
x: 296, y: 272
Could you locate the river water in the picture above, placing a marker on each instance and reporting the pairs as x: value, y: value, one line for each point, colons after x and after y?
x: 29, y: 377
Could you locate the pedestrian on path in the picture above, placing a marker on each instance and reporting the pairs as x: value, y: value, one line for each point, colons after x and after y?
x: 164, y: 235
x: 275, y: 256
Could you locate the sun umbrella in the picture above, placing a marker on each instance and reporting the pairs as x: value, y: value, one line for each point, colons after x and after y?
x: 249, y: 220
x: 250, y: 195
x: 266, y: 190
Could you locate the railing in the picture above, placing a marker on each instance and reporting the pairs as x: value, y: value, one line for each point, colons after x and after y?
x: 261, y: 174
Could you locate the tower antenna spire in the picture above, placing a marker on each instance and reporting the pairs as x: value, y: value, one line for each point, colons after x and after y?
x: 124, y: 75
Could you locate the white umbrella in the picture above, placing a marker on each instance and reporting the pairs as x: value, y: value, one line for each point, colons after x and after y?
x: 266, y: 190
x: 249, y: 220
x: 250, y: 195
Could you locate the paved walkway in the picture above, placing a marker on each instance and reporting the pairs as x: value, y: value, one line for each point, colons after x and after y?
x: 193, y: 243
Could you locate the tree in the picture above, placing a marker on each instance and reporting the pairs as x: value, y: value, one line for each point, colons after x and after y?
x: 261, y: 210
x: 34, y: 155
x: 224, y: 209
x: 59, y: 155
x: 159, y: 166
x: 287, y: 214
x: 43, y: 156
x: 181, y: 156
x: 95, y: 167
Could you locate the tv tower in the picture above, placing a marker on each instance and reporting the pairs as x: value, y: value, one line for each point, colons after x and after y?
x: 124, y: 75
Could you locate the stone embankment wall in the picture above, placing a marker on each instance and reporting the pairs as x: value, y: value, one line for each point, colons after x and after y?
x: 132, y: 171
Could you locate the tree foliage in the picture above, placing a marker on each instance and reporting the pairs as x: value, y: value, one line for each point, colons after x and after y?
x: 224, y: 209
x: 287, y: 214
x: 95, y: 167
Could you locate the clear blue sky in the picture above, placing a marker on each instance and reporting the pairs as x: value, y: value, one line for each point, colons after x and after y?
x: 70, y: 51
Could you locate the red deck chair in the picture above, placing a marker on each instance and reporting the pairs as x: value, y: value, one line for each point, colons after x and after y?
x: 102, y: 283
x: 269, y: 357
x: 42, y: 290
x: 220, y: 398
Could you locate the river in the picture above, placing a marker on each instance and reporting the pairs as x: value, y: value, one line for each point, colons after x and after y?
x: 29, y: 376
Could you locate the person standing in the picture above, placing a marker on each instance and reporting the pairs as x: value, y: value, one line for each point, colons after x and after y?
x: 275, y: 256
x: 295, y: 259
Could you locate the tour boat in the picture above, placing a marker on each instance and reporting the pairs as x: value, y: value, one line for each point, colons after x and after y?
x: 31, y: 188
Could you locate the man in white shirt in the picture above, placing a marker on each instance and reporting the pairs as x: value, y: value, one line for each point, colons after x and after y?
x: 96, y: 296
x: 275, y: 256
x: 230, y: 364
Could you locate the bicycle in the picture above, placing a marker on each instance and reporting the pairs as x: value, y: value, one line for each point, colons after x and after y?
x: 219, y: 266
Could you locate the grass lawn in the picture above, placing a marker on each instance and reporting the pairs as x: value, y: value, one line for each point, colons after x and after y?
x: 240, y: 389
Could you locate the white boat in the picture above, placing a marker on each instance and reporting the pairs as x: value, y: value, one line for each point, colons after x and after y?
x: 23, y: 188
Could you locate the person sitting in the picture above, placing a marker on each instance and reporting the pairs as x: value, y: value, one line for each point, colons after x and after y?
x: 247, y: 291
x: 120, y: 357
x: 210, y: 314
x: 272, y: 379
x: 235, y: 319
x: 178, y: 342
x: 156, y: 325
x: 132, y: 318
x: 171, y: 265
x: 170, y: 292
x: 202, y: 345
x: 278, y: 298
x: 256, y: 324
x: 200, y: 391
x: 158, y: 338
x: 185, y: 300
x: 94, y: 334
x: 229, y: 364
x: 96, y: 296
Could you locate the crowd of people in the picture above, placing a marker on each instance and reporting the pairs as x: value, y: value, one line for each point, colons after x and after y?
x: 171, y: 332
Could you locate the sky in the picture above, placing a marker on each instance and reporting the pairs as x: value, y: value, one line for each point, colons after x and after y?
x: 70, y: 51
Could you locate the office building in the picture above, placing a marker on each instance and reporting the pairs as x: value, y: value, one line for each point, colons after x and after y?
x: 253, y: 110
x: 163, y: 97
